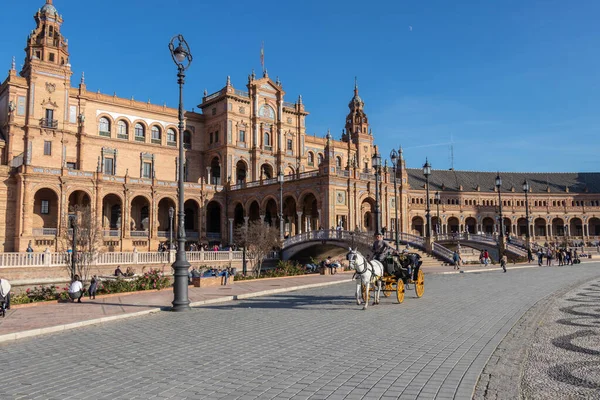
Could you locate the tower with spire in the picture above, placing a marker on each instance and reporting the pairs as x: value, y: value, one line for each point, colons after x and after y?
x: 46, y: 46
x: 357, y: 133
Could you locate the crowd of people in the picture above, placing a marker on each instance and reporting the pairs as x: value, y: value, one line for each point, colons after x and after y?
x: 196, y: 246
x: 225, y: 273
x: 562, y: 255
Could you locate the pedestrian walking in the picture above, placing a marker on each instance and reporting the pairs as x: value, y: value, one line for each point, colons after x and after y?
x: 93, y: 288
x: 503, y: 261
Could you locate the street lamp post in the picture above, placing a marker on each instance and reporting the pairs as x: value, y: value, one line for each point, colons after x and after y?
x: 526, y: 190
x: 394, y: 158
x: 73, y: 220
x: 171, y: 214
x: 438, y: 225
x: 280, y: 178
x: 376, y: 162
x: 180, y: 52
x: 427, y: 173
x: 500, y: 218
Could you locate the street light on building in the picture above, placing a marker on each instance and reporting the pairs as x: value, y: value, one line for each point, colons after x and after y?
x: 526, y: 190
x: 394, y: 158
x: 376, y: 163
x: 171, y: 214
x: 427, y: 173
x: 180, y: 52
x: 438, y: 224
x: 280, y: 179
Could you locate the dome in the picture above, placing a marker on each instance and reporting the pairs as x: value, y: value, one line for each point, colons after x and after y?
x: 48, y: 8
x: 356, y: 102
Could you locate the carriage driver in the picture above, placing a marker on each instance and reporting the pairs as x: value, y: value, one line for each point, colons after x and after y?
x: 380, y: 247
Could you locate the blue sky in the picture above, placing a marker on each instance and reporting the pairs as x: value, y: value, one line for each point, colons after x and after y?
x: 514, y: 85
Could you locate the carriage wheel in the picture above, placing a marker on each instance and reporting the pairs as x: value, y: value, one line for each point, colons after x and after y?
x: 420, y: 284
x: 365, y: 296
x: 388, y: 288
x: 400, y: 290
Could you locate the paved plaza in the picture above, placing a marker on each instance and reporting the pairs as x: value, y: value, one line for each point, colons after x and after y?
x: 318, y: 344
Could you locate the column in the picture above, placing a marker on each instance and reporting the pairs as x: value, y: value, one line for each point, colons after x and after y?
x: 246, y: 221
x: 320, y: 223
x: 299, y: 213
x: 208, y: 175
x: 262, y: 218
x: 230, y: 230
x: 549, y: 230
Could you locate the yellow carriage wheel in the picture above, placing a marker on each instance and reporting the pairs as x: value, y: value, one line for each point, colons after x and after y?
x: 420, y: 284
x: 400, y: 290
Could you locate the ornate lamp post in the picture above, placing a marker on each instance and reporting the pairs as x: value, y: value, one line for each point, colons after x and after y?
x: 526, y: 190
x: 427, y: 173
x: 501, y: 237
x: 171, y: 214
x: 394, y: 158
x: 73, y: 223
x: 438, y: 226
x: 376, y: 163
x: 180, y: 52
x: 280, y: 179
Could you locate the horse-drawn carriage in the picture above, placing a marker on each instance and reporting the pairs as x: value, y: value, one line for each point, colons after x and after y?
x: 394, y: 274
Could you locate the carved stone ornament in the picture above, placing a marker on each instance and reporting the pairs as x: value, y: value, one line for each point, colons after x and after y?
x: 50, y: 102
x: 50, y: 87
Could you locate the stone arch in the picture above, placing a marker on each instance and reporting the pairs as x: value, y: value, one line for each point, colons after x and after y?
x: 265, y: 200
x: 139, y: 214
x: 539, y: 227
x: 290, y: 217
x: 289, y: 170
x: 241, y: 172
x: 213, y: 220
x: 575, y: 227
x: 164, y: 222
x: 453, y: 225
x: 266, y: 171
x: 215, y: 171
x: 254, y: 211
x: 112, y: 210
x: 136, y: 131
x: 238, y: 214
x: 488, y: 225
x: 271, y: 211
x: 122, y: 124
x: 594, y: 226
x: 507, y: 225
x: 470, y: 225
x: 522, y: 226
x: 191, y: 209
x: 367, y: 214
x: 79, y: 198
x: 558, y: 226
x: 417, y: 225
x: 310, y: 214
x: 106, y: 125
x: 45, y: 210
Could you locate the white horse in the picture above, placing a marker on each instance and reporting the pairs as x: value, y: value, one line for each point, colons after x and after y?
x: 369, y: 272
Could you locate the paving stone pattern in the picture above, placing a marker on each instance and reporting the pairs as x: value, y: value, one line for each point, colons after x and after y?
x: 309, y: 344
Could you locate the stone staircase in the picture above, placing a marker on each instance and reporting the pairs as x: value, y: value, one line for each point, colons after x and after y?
x: 428, y: 260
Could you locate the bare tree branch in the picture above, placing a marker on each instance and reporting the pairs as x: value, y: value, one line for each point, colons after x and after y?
x: 259, y: 239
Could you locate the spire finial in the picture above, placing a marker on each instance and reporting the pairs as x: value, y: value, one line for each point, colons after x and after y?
x: 299, y: 99
x: 49, y: 2
x: 228, y: 80
x: 355, y: 85
x: 253, y: 76
x: 265, y: 73
x: 13, y: 66
x: 205, y: 92
x: 82, y: 78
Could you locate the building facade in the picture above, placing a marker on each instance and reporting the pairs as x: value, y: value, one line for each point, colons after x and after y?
x: 247, y: 157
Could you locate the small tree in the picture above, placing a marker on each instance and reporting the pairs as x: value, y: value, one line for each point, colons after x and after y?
x: 88, y: 240
x: 259, y: 240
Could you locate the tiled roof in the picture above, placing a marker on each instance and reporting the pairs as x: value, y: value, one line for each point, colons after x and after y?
x: 540, y: 182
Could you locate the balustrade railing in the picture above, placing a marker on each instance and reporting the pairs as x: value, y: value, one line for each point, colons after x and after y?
x: 442, y: 252
x: 44, y: 231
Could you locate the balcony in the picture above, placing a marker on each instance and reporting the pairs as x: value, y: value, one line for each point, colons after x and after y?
x: 49, y: 123
x: 123, y: 136
x: 268, y: 148
x: 44, y: 231
x: 140, y: 138
x: 156, y: 141
x: 139, y: 234
x: 104, y: 133
x: 172, y: 144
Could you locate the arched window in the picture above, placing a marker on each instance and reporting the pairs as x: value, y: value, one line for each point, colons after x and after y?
x: 320, y: 158
x: 140, y: 133
x: 122, y: 129
x: 171, y: 137
x: 155, y: 134
x: 338, y: 162
x: 187, y: 140
x: 104, y: 127
x: 267, y: 139
x: 311, y: 158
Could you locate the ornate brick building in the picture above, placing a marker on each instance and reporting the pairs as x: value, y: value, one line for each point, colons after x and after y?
x: 248, y: 157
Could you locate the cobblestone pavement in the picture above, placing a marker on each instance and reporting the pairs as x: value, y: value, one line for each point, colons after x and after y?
x: 309, y: 344
x: 559, y: 358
